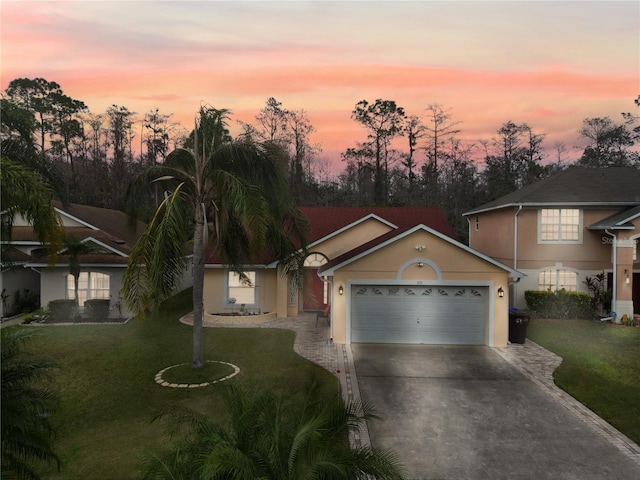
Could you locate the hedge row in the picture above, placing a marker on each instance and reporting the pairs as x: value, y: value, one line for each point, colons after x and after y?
x: 61, y: 310
x: 97, y: 309
x: 559, y: 304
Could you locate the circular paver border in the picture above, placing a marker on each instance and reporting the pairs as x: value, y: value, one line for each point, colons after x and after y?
x: 164, y: 383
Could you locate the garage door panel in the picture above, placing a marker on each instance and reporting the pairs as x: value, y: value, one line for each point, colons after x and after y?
x: 419, y: 314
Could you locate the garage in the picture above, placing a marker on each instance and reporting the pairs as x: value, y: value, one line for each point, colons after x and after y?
x: 419, y: 314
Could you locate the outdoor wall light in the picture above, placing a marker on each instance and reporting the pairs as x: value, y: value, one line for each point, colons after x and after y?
x: 420, y: 247
x: 420, y: 264
x: 340, y: 290
x: 500, y: 292
x: 626, y: 280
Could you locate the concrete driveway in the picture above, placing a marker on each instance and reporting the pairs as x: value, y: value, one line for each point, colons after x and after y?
x: 465, y: 413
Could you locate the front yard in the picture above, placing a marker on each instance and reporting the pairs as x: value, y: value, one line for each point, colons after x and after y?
x: 600, y: 368
x: 109, y: 394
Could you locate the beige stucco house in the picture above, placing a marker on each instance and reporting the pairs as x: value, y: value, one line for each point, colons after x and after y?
x: 577, y: 223
x: 388, y: 274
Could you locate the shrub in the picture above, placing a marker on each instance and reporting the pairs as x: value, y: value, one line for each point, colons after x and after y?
x: 97, y: 309
x: 25, y: 301
x: 61, y: 310
x: 560, y: 304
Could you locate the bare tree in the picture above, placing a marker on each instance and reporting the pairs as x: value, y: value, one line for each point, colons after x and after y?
x: 439, y: 130
x: 384, y: 121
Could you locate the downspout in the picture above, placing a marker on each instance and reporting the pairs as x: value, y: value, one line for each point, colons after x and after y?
x: 515, y: 254
x: 614, y: 287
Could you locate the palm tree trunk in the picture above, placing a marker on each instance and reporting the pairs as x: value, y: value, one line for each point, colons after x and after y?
x: 198, y: 289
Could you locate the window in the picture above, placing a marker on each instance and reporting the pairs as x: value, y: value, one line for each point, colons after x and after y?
x: 557, y: 279
x: 559, y: 225
x: 477, y: 223
x: 90, y: 285
x: 243, y: 288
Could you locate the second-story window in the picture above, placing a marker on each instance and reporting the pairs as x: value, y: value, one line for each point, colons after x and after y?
x: 559, y: 225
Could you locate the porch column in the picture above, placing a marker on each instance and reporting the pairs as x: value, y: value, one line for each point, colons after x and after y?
x: 624, y: 276
x: 282, y: 296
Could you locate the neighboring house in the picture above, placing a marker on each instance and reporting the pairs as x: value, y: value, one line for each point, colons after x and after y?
x: 25, y: 264
x: 388, y: 274
x: 577, y: 223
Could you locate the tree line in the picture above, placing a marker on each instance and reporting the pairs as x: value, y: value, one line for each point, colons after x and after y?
x: 402, y: 158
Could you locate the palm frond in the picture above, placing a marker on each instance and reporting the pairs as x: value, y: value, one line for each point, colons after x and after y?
x: 25, y: 192
x: 26, y: 404
x: 158, y: 258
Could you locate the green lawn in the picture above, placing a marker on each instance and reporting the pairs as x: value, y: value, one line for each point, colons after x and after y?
x: 600, y: 368
x: 109, y: 394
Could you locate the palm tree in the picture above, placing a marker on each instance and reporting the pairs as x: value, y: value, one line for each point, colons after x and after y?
x: 75, y: 247
x: 26, y: 193
x: 230, y: 196
x: 272, y: 437
x: 26, y: 405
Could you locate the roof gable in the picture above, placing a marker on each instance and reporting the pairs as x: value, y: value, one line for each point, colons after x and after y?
x: 327, y: 221
x: 579, y: 186
x: 113, y: 222
x: 105, y: 228
x: 384, y: 240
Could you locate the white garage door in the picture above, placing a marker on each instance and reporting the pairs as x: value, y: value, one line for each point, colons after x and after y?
x: 419, y: 314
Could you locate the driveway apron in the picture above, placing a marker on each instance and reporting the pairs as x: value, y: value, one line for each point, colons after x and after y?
x: 465, y: 413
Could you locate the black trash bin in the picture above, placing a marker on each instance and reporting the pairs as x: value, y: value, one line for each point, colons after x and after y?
x: 518, y: 323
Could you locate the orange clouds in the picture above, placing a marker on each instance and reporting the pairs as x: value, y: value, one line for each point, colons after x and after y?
x: 543, y: 63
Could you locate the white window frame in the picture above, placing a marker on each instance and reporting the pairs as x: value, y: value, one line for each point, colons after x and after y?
x: 229, y: 289
x: 91, y: 291
x: 477, y: 223
x: 560, y: 240
x: 556, y: 273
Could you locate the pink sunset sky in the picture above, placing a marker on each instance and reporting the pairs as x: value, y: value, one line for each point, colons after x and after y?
x: 550, y: 64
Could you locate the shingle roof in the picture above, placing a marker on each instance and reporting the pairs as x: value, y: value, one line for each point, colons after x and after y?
x: 618, y: 221
x: 13, y: 256
x: 112, y: 222
x: 325, y: 221
x: 105, y: 226
x: 615, y: 186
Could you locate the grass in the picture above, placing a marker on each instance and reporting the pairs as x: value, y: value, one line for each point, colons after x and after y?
x: 600, y: 368
x: 109, y: 394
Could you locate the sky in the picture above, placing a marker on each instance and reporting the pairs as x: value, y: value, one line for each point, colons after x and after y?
x: 549, y: 64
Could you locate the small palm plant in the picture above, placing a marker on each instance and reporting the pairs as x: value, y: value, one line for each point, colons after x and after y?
x: 26, y: 406
x: 272, y: 436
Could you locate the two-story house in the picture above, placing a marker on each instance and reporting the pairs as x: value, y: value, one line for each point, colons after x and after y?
x: 577, y: 223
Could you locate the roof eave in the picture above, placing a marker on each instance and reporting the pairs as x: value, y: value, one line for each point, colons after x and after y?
x: 330, y: 271
x: 550, y: 203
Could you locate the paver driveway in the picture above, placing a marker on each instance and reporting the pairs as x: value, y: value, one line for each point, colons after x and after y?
x: 465, y: 413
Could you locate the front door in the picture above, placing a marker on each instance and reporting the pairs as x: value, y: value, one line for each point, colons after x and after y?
x: 314, y: 290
